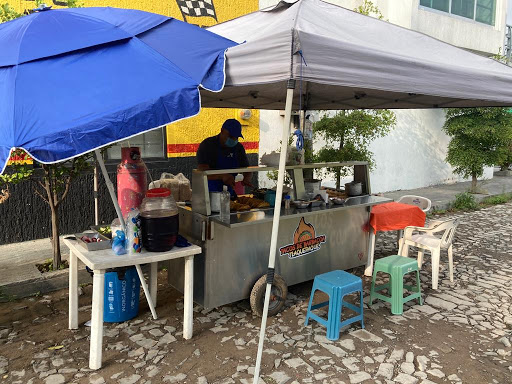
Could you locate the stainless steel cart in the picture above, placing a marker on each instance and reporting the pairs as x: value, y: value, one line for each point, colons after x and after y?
x: 235, y: 252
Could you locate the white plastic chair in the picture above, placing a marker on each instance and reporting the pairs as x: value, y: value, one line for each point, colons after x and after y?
x: 425, y: 239
x: 421, y: 202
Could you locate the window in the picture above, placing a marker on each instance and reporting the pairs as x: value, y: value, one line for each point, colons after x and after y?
x: 483, y: 11
x: 440, y: 5
x: 464, y: 8
x: 152, y: 145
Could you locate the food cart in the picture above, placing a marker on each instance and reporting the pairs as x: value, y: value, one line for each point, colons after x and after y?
x: 311, y: 241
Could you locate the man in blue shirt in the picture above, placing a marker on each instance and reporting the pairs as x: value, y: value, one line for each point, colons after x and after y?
x: 223, y: 151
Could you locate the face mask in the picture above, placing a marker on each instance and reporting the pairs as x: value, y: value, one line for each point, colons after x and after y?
x: 230, y: 142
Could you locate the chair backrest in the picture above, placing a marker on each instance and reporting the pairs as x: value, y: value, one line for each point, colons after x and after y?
x: 422, y: 202
x: 448, y: 227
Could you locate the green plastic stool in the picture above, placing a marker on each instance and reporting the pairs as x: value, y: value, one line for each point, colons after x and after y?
x: 396, y: 267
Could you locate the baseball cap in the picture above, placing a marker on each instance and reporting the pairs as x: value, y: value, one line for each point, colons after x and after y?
x: 234, y: 127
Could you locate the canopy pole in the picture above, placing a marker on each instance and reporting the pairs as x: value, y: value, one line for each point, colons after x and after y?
x: 110, y: 188
x: 275, y: 223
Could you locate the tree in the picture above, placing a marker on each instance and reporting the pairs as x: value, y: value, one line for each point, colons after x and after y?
x: 348, y: 135
x: 506, y: 162
x: 480, y: 137
x: 52, y: 184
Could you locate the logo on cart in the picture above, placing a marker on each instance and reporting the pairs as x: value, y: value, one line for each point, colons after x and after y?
x: 305, y: 241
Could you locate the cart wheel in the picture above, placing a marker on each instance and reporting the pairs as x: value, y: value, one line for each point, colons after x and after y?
x: 277, y: 295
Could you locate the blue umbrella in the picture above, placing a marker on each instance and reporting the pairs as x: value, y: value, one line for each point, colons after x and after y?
x: 74, y: 80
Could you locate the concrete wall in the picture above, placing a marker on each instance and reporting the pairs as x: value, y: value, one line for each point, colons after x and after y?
x: 412, y: 155
x: 462, y: 32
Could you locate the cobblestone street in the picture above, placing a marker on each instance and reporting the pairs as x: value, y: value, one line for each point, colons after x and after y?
x: 462, y: 333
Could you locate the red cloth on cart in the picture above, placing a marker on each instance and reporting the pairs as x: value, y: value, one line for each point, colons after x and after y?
x: 395, y: 216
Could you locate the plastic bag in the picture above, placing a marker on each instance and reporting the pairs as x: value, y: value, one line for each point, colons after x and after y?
x: 169, y: 181
x: 184, y: 185
x: 119, y: 243
x: 178, y: 184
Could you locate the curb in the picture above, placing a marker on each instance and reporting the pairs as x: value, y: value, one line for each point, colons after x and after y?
x: 48, y: 282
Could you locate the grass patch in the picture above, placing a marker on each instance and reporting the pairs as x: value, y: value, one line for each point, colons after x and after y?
x: 466, y: 202
x: 435, y: 212
x: 47, y: 265
x: 498, y: 199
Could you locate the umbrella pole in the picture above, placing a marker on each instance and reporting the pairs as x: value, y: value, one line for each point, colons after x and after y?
x: 96, y: 207
x: 110, y: 187
x: 275, y: 223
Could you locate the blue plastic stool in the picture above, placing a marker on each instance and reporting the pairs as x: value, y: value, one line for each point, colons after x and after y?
x: 336, y: 284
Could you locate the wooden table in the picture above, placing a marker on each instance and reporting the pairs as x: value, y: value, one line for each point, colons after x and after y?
x: 391, y: 217
x: 99, y: 261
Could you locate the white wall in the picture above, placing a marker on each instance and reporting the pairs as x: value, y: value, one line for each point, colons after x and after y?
x: 412, y: 155
x: 462, y: 32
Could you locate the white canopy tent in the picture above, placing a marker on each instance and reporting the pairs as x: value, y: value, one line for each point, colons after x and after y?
x: 316, y: 55
x: 353, y: 61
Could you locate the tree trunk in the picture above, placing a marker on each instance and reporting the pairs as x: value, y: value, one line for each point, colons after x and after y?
x: 473, y: 182
x: 54, y: 208
x: 55, y: 237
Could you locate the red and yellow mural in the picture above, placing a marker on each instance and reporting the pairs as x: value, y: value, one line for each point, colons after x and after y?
x: 19, y: 156
x: 184, y: 137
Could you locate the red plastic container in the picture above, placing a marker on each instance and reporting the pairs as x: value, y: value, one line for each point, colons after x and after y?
x: 131, y: 180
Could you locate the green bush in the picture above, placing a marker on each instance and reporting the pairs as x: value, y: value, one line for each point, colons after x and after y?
x: 465, y: 202
x: 498, y: 199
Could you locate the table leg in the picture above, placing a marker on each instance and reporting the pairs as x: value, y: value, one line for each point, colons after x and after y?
x: 371, y: 251
x: 153, y: 282
x: 146, y: 291
x: 188, y: 315
x: 98, y: 291
x: 73, y: 291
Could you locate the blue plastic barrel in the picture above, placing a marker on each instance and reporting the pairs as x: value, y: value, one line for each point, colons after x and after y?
x: 121, y: 299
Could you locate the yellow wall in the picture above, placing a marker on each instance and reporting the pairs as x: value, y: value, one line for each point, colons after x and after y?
x: 184, y: 137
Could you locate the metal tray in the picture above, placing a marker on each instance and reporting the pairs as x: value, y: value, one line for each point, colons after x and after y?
x: 97, y: 246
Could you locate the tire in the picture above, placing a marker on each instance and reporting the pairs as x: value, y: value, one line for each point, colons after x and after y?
x: 277, y: 296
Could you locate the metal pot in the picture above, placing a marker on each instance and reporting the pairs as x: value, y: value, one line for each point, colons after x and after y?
x: 354, y: 188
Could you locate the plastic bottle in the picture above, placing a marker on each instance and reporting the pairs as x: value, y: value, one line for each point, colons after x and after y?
x: 133, y: 238
x: 287, y: 202
x: 225, y: 200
